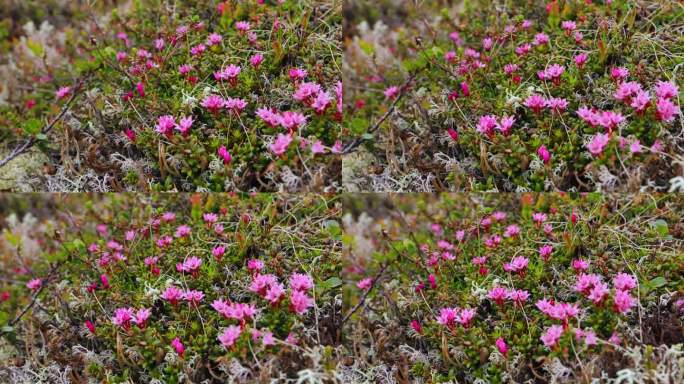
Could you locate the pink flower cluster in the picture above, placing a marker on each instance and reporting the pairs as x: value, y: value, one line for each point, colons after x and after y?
x: 449, y: 317
x: 268, y: 287
x: 123, y: 317
x: 537, y: 102
x: 489, y: 123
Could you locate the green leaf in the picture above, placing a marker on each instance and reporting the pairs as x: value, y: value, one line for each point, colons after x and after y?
x: 35, y: 47
x: 358, y: 125
x: 333, y: 227
x: 32, y: 126
x: 331, y: 283
x: 657, y: 282
x: 366, y: 47
x: 660, y: 226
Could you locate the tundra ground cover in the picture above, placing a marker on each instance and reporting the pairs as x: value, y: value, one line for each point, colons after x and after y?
x: 169, y: 288
x: 161, y: 95
x: 514, y: 288
x: 514, y: 95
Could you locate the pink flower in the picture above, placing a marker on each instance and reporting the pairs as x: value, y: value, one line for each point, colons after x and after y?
x: 255, y: 265
x: 121, y: 56
x: 321, y: 102
x: 198, y: 50
x: 498, y: 294
x: 229, y: 336
x: 518, y: 296
x: 585, y: 282
x: 626, y: 89
x: 140, y: 88
x: 535, y: 102
x: 301, y: 282
x: 666, y: 110
x: 34, y: 284
x: 539, y: 218
x: 184, y: 125
x: 552, y: 335
x: 317, y: 147
x: 192, y: 265
x: 281, y: 143
x: 415, y: 324
x: 544, y: 154
x: 105, y: 281
x: 518, y: 264
x: 172, y: 295
x: 213, y: 103
x: 218, y: 252
x: 554, y: 73
x: 261, y: 283
x: 465, y: 89
x: 581, y: 59
x: 447, y: 317
x: 256, y: 60
x: 210, y: 217
x: 274, y: 293
x: 242, y: 26
x: 391, y: 92
x: 178, y: 346
x: 297, y: 74
x: 557, y: 104
x: 165, y: 125
x: 640, y: 101
x: 122, y: 317
x: 159, y: 44
x: 580, y: 265
x: 193, y: 297
x: 624, y: 282
x: 501, y: 346
x: 214, y: 39
x: 568, y: 25
x: 300, y: 302
x: 292, y: 120
x: 365, y: 284
x: 487, y: 43
x: 306, y: 91
x: 184, y: 69
x: 541, y: 38
x: 510, y: 68
x: 512, y: 230
x: 91, y: 327
x: 506, y: 125
x: 598, y: 143
x: 666, y: 90
x: 619, y: 73
x: 545, y: 252
x: 623, y: 302
x: 269, y: 116
x: 225, y: 155
x: 62, y: 92
x: 598, y: 292
x: 141, y: 317
x: 610, y: 119
x: 487, y: 124
x: 465, y: 317
x: 522, y: 50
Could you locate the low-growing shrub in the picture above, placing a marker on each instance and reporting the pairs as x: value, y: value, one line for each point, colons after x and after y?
x: 513, y: 288
x: 514, y: 96
x: 179, y: 288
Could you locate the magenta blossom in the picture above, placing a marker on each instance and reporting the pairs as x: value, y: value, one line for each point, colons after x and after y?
x: 229, y: 336
x: 178, y: 346
x: 281, y: 143
x: 544, y: 154
x: 552, y: 335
